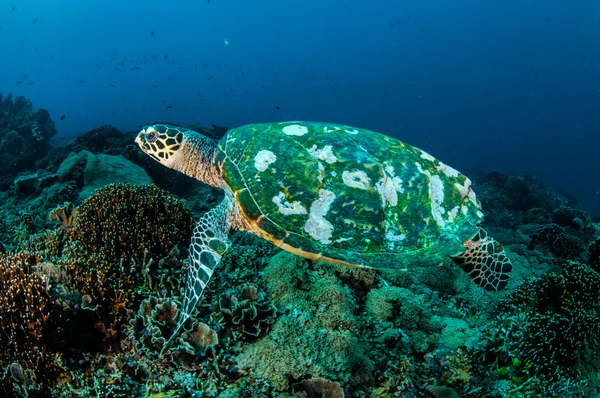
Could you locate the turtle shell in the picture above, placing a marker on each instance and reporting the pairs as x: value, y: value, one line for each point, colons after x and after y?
x: 348, y: 195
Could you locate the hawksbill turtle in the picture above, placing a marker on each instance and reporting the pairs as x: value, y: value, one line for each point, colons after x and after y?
x: 328, y: 192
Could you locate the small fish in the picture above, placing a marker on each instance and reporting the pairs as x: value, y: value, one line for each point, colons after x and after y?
x: 19, y: 82
x: 35, y: 20
x: 13, y: 8
x: 63, y: 117
x: 81, y: 82
x: 152, y: 33
x: 170, y: 106
x: 155, y: 86
x: 112, y: 86
x: 30, y: 84
x: 277, y: 107
x: 25, y: 77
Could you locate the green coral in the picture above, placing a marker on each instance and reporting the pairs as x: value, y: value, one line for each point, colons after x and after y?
x: 318, y: 335
x: 551, y: 326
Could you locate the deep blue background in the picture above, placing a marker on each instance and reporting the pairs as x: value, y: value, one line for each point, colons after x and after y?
x: 509, y: 85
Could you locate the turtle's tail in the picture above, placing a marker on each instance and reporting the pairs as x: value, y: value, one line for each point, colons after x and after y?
x: 485, y: 261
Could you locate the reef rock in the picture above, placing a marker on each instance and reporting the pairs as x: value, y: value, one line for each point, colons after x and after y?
x: 100, y: 170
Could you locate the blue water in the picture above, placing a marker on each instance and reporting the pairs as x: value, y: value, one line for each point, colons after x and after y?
x: 508, y: 85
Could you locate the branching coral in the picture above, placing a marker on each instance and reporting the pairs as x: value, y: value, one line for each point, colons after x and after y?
x: 551, y: 327
x: 553, y: 238
x: 120, y: 233
x: 122, y: 221
x: 24, y: 315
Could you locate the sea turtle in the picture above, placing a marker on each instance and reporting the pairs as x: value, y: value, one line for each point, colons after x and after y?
x: 328, y: 192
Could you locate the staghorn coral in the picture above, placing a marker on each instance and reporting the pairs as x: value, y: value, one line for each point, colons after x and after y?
x: 248, y: 310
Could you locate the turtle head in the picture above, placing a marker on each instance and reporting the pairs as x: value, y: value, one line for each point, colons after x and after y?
x: 181, y: 149
x: 162, y: 142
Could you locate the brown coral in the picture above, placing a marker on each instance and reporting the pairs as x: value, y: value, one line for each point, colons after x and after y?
x: 24, y: 315
x: 248, y: 310
x: 320, y: 388
x: 120, y: 233
x: 64, y: 215
x: 122, y: 221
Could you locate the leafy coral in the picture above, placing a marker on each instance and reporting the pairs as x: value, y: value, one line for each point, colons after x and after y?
x: 248, y: 310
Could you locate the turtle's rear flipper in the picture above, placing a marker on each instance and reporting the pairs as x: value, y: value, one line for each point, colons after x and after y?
x: 485, y: 261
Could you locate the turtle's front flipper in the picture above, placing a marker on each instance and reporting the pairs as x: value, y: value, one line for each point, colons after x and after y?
x: 209, y: 242
x: 485, y: 261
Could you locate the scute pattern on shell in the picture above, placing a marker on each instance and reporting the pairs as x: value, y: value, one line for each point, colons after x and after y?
x: 403, y: 206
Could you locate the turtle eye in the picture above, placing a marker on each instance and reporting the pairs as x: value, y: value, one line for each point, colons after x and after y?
x: 151, y: 137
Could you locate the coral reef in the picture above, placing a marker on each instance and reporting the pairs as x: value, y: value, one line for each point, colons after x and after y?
x: 546, y: 337
x: 24, y: 136
x: 248, y: 310
x: 27, y: 327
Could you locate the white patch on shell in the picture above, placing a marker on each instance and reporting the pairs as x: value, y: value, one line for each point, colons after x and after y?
x: 389, y: 186
x: 392, y: 237
x: 317, y: 226
x: 286, y: 208
x: 353, y: 132
x: 295, y: 129
x: 263, y: 159
x: 467, y: 193
x: 425, y: 155
x: 453, y: 213
x: 333, y: 173
x: 356, y: 179
x: 325, y: 154
x: 449, y: 171
x: 330, y: 130
x: 321, y: 172
x: 436, y: 195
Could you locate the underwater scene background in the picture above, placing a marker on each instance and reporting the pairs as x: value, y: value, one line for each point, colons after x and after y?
x: 94, y: 234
